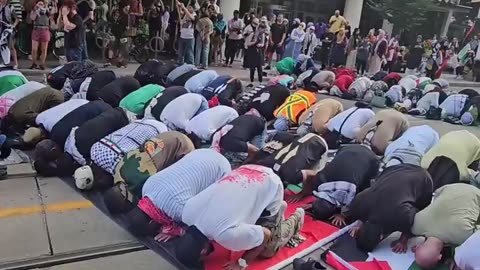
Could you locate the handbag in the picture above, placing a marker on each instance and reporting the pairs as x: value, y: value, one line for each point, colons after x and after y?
x: 434, y: 113
x: 379, y: 102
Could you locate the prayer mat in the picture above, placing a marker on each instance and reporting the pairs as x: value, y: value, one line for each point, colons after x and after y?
x: 345, y: 252
x: 16, y: 157
x: 317, y: 233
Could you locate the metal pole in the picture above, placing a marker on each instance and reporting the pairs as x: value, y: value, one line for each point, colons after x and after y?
x: 103, y: 42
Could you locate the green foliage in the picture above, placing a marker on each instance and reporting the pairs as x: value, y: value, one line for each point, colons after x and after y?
x: 404, y: 14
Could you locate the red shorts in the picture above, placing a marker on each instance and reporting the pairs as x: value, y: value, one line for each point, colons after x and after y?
x: 41, y: 35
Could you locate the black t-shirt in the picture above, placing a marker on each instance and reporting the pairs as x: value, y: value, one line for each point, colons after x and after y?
x: 355, y: 164
x: 167, y: 96
x: 267, y: 100
x: 245, y: 128
x: 98, y: 81
x: 96, y: 128
x: 277, y: 31
x: 180, y: 81
x: 115, y: 91
x: 300, y: 155
x: 276, y: 143
x: 74, y: 37
x: 83, y: 8
x: 76, y: 118
x: 394, y: 199
x: 119, y: 26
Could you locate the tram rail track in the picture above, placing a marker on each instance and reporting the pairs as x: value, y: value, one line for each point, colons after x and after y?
x: 73, y: 256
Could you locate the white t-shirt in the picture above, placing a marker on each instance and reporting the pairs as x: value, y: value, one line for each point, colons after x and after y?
x: 353, y: 124
x: 196, y: 83
x: 23, y: 91
x: 179, y: 111
x: 187, y: 27
x: 208, y: 122
x: 227, y: 211
x: 51, y: 116
x: 454, y: 104
x: 466, y: 255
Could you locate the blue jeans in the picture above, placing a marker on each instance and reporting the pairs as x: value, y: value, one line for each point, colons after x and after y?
x: 203, y: 107
x: 202, y: 48
x: 185, y: 51
x: 74, y: 54
x: 281, y: 124
x: 259, y: 140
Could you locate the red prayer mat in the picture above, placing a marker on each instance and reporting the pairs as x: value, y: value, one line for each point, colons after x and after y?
x: 337, y: 263
x: 315, y: 232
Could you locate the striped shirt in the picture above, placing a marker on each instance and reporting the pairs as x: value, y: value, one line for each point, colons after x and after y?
x: 17, y: 8
x: 108, y: 152
x: 172, y: 187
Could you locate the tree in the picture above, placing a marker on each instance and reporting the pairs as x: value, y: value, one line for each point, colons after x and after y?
x: 404, y: 14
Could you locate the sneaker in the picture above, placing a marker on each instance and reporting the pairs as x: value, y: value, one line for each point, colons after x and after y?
x: 42, y: 67
x: 250, y: 85
x: 268, y: 68
x: 33, y: 66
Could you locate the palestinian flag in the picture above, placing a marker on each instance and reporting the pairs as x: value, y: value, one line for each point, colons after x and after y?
x: 344, y: 255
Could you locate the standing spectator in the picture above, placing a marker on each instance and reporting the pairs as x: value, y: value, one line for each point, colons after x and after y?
x: 85, y: 10
x: 119, y: 31
x: 378, y: 53
x: 74, y: 31
x: 204, y: 29
x: 434, y: 61
x: 17, y: 8
x: 294, y: 48
x: 348, y: 30
x: 339, y: 45
x: 278, y: 33
x: 362, y: 55
x: 136, y: 14
x: 392, y: 53
x: 216, y: 8
x: 40, y: 34
x: 295, y: 25
x: 337, y: 21
x: 310, y: 42
x: 414, y: 58
x: 185, y: 45
x: 165, y: 21
x: 320, y: 29
x: 155, y: 19
x: 255, y: 43
x: 248, y: 17
x: 353, y: 43
x: 219, y: 28
x: 454, y: 45
x: 9, y: 16
x: 234, y: 38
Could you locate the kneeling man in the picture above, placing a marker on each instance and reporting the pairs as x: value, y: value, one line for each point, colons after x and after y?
x: 242, y: 212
